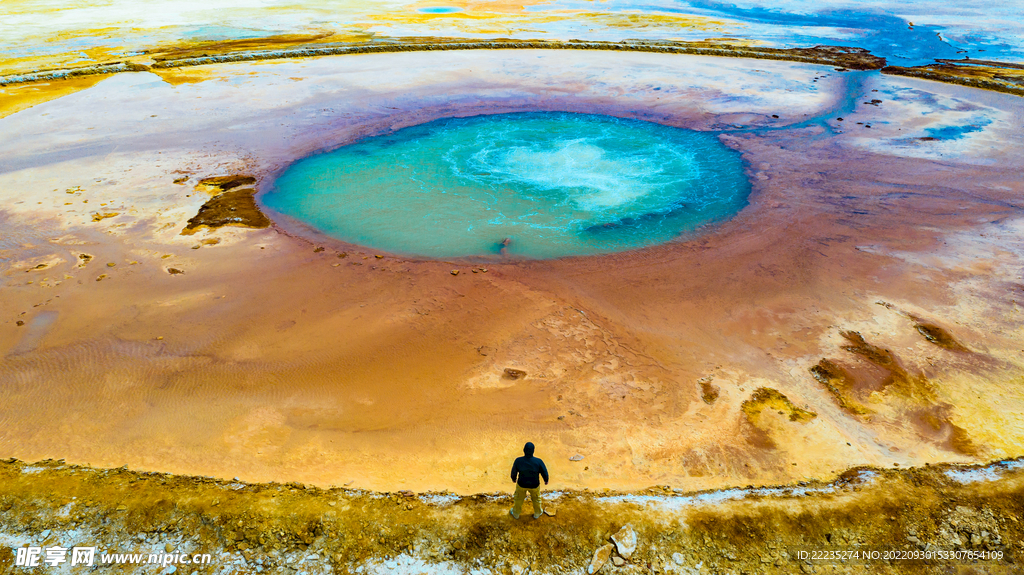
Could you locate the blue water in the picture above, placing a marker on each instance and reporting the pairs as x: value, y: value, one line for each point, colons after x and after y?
x: 440, y: 10
x: 939, y: 30
x: 215, y: 33
x: 531, y: 185
x: 953, y: 132
x: 882, y: 34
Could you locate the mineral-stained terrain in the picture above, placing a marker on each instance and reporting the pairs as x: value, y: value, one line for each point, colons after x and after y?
x: 294, y: 528
x: 853, y: 334
x: 862, y: 309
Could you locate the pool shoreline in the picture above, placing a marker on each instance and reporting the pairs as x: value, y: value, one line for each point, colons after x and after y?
x: 949, y: 71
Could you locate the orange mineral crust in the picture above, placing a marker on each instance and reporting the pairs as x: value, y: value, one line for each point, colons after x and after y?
x: 863, y: 309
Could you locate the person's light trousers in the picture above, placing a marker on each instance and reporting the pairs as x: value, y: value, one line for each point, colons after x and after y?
x: 520, y: 496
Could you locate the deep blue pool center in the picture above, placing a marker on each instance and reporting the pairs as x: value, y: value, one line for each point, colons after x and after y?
x: 529, y: 185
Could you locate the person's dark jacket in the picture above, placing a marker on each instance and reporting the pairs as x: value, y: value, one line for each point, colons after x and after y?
x: 527, y: 470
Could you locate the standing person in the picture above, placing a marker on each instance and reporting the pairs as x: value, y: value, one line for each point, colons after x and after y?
x: 526, y: 473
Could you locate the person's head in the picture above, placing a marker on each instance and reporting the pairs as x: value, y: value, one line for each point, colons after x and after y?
x: 528, y: 449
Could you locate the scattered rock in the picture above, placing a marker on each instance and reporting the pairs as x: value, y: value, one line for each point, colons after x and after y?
x: 174, y: 271
x: 512, y: 373
x: 678, y: 558
x: 318, y: 249
x: 618, y: 561
x: 601, y: 556
x: 549, y: 512
x: 168, y: 547
x: 939, y: 336
x: 709, y: 393
x: 625, y: 541
x: 100, y: 216
x: 234, y: 208
x: 768, y: 398
x: 220, y: 184
x: 576, y: 457
x: 19, y: 323
x: 837, y: 381
x: 455, y: 272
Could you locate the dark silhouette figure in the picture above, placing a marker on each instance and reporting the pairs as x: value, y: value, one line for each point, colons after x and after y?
x: 526, y: 473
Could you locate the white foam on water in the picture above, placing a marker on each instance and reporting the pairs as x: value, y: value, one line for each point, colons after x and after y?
x: 577, y: 164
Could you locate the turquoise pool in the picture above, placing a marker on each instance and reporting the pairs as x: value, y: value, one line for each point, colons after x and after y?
x: 531, y: 185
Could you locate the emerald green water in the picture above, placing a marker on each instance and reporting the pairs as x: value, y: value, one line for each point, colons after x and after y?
x: 555, y: 184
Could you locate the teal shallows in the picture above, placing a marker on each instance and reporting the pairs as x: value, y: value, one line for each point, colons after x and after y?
x: 555, y: 184
x: 440, y: 10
